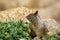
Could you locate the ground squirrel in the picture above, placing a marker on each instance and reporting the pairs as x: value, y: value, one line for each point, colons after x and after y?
x: 42, y: 26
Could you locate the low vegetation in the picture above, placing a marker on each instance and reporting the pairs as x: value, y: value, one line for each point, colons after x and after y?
x: 14, y: 30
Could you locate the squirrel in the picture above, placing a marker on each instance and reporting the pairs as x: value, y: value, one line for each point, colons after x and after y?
x: 36, y: 25
x: 41, y: 27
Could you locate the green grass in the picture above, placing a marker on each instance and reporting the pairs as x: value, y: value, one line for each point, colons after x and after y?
x: 14, y: 30
x: 53, y: 37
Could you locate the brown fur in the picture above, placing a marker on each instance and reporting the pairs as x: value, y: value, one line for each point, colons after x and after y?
x: 41, y: 27
x: 34, y: 24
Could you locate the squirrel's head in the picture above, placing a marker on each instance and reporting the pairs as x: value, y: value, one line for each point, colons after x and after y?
x: 31, y: 17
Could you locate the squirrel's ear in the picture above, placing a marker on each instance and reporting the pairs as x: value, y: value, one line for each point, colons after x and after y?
x: 36, y: 13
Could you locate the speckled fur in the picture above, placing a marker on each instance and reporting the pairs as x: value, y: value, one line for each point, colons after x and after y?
x: 42, y: 26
